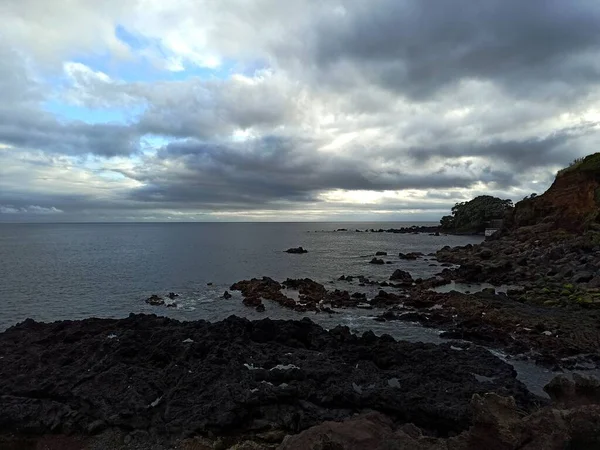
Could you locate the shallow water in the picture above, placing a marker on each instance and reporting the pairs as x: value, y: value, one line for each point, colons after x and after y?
x: 471, y: 288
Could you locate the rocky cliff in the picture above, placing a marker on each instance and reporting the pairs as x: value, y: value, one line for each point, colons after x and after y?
x: 572, y: 202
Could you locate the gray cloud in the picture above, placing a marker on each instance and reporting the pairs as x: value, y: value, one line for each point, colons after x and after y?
x: 417, y: 48
x: 31, y: 209
x: 402, y: 104
x: 38, y: 130
x: 255, y: 173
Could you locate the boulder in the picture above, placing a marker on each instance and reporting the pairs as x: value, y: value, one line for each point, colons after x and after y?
x: 155, y: 300
x: 384, y: 299
x: 377, y: 261
x: 594, y: 282
x: 366, y: 432
x: 252, y: 301
x: 486, y: 253
x: 296, y: 250
x: 402, y: 276
x: 381, y: 254
x: 579, y: 391
x: 226, y: 295
x: 583, y: 277
x: 410, y: 256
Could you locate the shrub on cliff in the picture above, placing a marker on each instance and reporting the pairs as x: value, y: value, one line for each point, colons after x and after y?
x: 473, y: 216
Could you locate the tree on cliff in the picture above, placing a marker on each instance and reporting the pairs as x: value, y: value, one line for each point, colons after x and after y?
x: 473, y: 216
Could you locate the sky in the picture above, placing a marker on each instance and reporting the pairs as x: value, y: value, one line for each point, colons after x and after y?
x: 296, y: 110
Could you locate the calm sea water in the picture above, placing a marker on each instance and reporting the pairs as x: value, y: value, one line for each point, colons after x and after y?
x: 66, y: 271
x: 71, y: 271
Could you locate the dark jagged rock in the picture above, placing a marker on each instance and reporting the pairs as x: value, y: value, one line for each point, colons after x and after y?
x: 402, y: 276
x: 408, y: 230
x: 264, y: 287
x: 577, y: 392
x: 384, y: 299
x: 296, y: 250
x: 173, y: 295
x: 226, y: 295
x: 364, y: 280
x: 252, y: 301
x: 381, y: 254
x: 174, y: 378
x: 155, y: 300
x: 339, y: 299
x: 498, y: 424
x: 410, y: 256
x: 552, y: 337
x: 377, y: 261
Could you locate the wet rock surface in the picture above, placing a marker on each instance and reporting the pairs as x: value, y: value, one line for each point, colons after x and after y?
x: 553, y: 337
x: 312, y: 296
x: 155, y: 300
x: 173, y: 378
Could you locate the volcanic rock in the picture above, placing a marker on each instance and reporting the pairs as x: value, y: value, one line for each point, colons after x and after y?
x: 174, y: 378
x: 155, y: 300
x: 296, y: 250
x: 402, y: 276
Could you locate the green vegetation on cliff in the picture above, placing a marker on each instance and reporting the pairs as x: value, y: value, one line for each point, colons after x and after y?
x: 590, y: 163
x: 473, y: 216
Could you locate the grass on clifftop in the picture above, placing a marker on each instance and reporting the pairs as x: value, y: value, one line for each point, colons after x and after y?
x: 590, y: 163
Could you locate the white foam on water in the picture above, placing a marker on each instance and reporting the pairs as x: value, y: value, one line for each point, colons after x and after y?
x: 284, y: 367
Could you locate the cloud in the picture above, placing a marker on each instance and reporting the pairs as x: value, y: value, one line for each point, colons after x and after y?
x: 31, y: 209
x: 272, y: 109
x: 415, y: 49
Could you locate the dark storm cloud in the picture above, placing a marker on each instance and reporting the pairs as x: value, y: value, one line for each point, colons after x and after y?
x: 270, y: 169
x: 34, y: 129
x: 559, y: 148
x: 418, y: 47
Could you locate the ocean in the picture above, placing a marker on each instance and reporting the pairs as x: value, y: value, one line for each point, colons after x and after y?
x: 72, y: 271
x: 54, y: 272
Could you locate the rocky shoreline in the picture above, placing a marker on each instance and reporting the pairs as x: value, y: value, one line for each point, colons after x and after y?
x: 555, y: 337
x: 153, y: 382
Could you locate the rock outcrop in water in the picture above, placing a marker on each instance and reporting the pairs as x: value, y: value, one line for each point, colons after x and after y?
x: 312, y: 296
x: 155, y: 300
x: 174, y: 379
x: 296, y: 250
